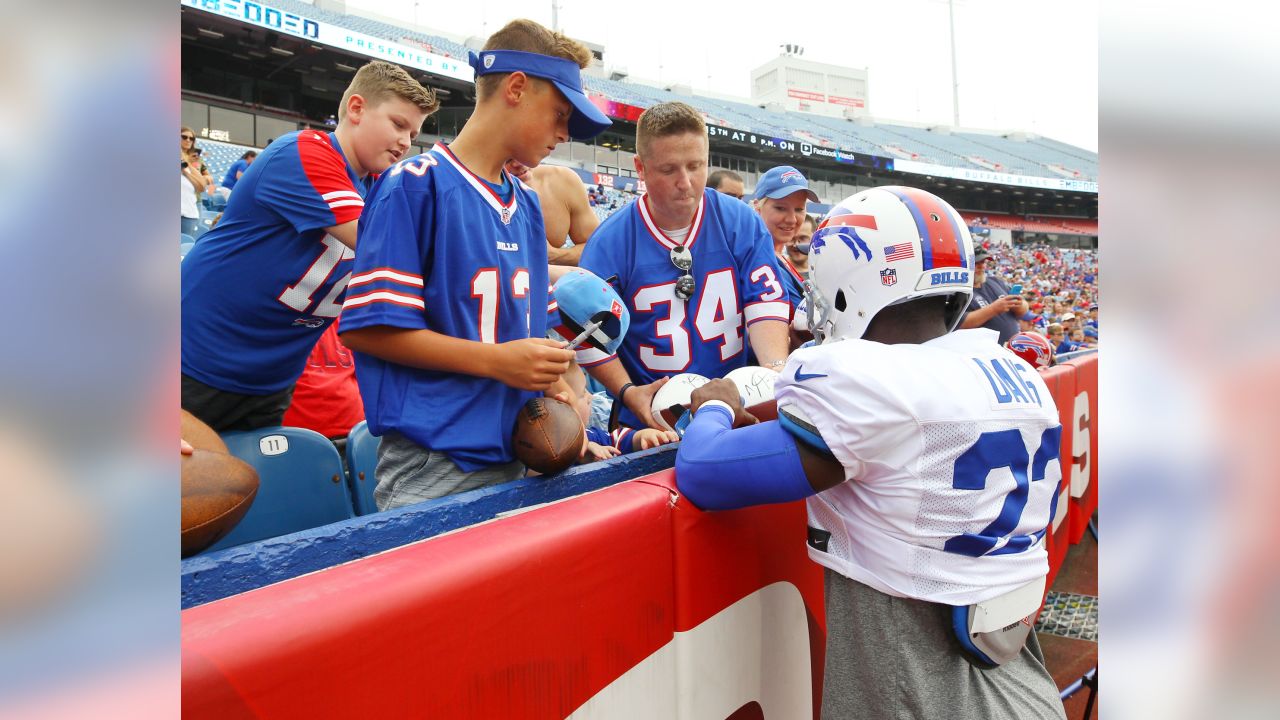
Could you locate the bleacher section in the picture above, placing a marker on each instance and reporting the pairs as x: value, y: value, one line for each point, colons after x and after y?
x: 1030, y: 157
x: 219, y: 156
x: 1073, y: 226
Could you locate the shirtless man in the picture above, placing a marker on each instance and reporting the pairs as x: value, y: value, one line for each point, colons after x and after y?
x: 564, y: 208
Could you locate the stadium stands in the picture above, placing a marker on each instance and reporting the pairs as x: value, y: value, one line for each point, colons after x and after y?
x: 1033, y: 156
x: 1075, y: 226
x: 219, y: 156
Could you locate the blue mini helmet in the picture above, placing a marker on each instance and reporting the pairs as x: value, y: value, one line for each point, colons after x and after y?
x: 581, y: 299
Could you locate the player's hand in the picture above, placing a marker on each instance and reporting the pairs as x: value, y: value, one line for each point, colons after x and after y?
x: 639, y: 400
x: 727, y: 392
x: 591, y: 452
x: 652, y: 438
x: 531, y: 363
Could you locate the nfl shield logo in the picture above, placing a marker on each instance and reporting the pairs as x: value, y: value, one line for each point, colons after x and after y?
x: 888, y: 276
x: 506, y: 216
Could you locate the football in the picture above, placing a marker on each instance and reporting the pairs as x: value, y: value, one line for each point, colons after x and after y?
x: 217, y: 490
x: 671, y: 401
x: 548, y: 436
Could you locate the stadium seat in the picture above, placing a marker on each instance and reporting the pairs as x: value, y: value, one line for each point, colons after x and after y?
x: 187, y: 240
x: 300, y: 483
x: 185, y: 248
x: 362, y: 458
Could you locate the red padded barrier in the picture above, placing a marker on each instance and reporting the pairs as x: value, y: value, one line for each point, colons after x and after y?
x: 1084, y: 429
x: 1061, y: 380
x: 523, y: 617
x: 619, y: 603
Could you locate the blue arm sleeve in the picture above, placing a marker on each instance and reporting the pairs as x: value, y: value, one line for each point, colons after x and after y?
x: 718, y: 468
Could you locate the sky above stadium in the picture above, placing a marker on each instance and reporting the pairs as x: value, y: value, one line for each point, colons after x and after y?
x: 1023, y: 64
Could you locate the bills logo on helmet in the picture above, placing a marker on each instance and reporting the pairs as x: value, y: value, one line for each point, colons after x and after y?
x: 841, y: 223
x: 888, y: 277
x: 792, y: 176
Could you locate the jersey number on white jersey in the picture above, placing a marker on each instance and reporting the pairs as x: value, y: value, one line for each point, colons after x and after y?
x: 992, y: 451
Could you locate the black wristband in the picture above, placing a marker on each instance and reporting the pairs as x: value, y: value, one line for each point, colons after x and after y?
x: 622, y: 393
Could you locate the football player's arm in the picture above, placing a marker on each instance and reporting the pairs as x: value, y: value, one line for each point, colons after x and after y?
x: 528, y: 363
x: 720, y: 468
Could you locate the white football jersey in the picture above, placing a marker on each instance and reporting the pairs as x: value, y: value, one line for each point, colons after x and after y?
x: 950, y: 450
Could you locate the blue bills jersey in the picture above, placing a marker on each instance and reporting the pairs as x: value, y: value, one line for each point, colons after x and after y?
x: 440, y: 250
x: 259, y: 289
x: 737, y: 284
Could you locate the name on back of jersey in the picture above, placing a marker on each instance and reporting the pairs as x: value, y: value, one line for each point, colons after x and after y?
x: 1009, y: 382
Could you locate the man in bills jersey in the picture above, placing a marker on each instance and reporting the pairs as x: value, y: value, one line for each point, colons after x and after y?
x: 695, y: 267
x: 930, y: 462
x: 259, y: 289
x: 447, y: 306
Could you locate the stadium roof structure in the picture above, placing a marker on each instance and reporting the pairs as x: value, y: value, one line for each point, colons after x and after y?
x: 1021, y: 159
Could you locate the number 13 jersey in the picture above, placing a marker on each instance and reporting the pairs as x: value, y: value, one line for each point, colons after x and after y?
x: 950, y: 450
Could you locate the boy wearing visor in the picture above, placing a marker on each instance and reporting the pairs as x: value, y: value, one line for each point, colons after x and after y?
x: 446, y: 309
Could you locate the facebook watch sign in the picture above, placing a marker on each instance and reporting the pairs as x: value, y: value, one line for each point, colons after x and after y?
x: 271, y: 18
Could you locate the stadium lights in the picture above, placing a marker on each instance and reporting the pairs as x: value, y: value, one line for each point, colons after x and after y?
x: 280, y: 51
x: 210, y: 33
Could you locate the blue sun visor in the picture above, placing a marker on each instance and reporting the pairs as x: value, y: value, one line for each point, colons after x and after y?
x: 587, y: 120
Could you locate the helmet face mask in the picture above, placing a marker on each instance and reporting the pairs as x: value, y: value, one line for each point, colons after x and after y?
x: 881, y: 247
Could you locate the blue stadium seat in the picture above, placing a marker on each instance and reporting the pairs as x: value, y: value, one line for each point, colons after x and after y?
x: 187, y: 240
x: 362, y: 458
x: 185, y: 248
x: 300, y: 483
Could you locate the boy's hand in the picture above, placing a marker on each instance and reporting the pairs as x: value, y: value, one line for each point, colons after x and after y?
x: 531, y: 363
x: 591, y: 452
x: 652, y: 438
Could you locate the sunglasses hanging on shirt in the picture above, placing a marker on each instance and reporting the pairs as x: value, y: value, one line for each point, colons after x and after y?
x: 683, y: 260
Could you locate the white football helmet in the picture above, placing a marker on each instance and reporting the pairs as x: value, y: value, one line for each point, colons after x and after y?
x: 881, y: 247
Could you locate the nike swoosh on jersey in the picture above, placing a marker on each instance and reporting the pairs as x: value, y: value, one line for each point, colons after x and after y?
x: 801, y: 376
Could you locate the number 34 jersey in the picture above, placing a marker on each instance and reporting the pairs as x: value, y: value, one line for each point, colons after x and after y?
x: 259, y: 289
x: 950, y: 450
